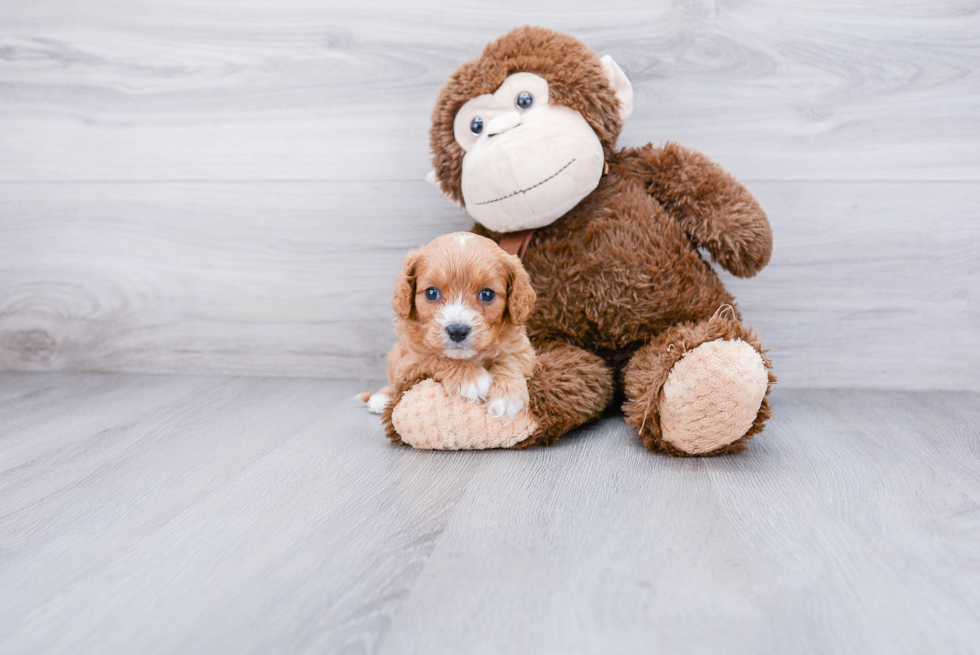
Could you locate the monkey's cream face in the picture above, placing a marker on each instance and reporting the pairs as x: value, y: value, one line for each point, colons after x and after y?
x: 527, y: 162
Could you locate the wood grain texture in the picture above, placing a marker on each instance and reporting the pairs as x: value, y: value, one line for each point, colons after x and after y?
x: 297, y: 89
x: 147, y: 508
x: 871, y: 285
x: 229, y: 187
x: 203, y: 514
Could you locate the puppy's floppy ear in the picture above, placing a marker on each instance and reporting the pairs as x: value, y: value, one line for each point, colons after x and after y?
x: 520, y: 294
x: 403, y: 301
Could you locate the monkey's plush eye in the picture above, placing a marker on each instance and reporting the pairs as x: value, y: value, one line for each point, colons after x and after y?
x: 524, y: 100
x: 476, y: 126
x: 432, y: 294
x: 487, y: 295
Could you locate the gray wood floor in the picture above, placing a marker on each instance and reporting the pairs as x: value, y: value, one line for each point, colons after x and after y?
x: 209, y: 514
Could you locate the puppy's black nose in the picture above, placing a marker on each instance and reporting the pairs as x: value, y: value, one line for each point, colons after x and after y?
x: 457, y: 332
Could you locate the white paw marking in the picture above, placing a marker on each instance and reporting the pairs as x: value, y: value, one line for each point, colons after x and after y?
x: 376, y: 403
x: 478, y: 389
x: 509, y: 407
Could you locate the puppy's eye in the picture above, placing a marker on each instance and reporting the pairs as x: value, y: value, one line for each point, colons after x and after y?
x: 524, y: 100
x: 476, y: 126
x: 487, y: 295
x: 432, y: 294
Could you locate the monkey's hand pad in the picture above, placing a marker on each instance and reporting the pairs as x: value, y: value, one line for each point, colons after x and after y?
x: 427, y: 417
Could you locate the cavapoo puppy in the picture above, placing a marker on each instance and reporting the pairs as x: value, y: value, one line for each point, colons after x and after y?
x: 461, y: 303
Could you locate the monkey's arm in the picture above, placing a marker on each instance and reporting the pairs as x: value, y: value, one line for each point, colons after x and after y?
x: 716, y: 211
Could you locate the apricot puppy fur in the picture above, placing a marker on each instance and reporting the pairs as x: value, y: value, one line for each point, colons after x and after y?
x: 461, y: 304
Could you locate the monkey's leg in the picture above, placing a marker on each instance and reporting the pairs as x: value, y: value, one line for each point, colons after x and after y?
x: 699, y: 388
x: 569, y: 387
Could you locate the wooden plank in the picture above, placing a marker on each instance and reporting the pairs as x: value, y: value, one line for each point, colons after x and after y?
x: 834, y: 534
x: 199, y: 276
x: 871, y: 285
x: 298, y: 90
x: 271, y: 515
x: 57, y: 432
x: 253, y: 502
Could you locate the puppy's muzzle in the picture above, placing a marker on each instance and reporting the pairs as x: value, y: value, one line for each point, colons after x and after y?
x: 458, y: 332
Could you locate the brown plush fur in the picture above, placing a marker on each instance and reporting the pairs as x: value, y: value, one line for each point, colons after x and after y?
x: 623, y: 291
x: 645, y: 375
x: 575, y: 79
x: 565, y: 372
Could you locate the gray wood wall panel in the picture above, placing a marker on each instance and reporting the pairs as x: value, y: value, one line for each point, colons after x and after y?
x: 297, y: 89
x: 296, y: 278
x: 229, y: 187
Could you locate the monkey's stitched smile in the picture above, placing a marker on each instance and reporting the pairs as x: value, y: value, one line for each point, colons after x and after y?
x: 511, y: 195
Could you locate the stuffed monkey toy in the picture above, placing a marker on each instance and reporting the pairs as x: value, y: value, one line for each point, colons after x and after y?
x: 628, y: 312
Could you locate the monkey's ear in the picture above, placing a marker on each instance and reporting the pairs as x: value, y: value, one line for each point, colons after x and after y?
x: 431, y: 178
x: 621, y: 85
x: 403, y: 301
x: 520, y: 294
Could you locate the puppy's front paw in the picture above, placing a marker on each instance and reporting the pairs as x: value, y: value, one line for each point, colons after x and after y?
x: 509, y: 407
x: 376, y: 402
x: 476, y: 389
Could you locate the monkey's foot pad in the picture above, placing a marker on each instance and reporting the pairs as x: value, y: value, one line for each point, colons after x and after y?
x: 427, y: 417
x: 712, y: 396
